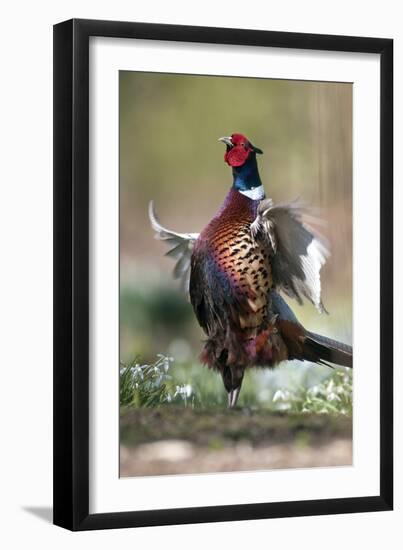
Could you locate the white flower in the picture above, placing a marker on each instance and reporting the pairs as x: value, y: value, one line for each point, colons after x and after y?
x: 138, y: 372
x: 323, y: 411
x: 284, y: 406
x: 188, y: 390
x: 185, y: 391
x: 333, y: 397
x: 330, y: 385
x: 281, y: 395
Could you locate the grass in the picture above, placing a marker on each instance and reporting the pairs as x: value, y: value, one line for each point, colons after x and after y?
x: 305, y: 388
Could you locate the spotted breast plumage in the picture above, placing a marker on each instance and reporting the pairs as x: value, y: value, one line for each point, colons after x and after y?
x: 236, y: 269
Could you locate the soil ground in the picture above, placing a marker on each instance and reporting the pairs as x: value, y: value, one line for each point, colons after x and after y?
x: 175, y: 440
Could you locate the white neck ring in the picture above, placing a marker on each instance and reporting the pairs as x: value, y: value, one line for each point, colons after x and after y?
x: 256, y: 194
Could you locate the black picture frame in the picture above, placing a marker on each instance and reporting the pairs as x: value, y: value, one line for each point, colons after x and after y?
x: 71, y: 274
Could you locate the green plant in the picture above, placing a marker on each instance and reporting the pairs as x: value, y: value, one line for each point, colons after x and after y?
x: 190, y: 385
x: 151, y: 385
x: 333, y: 395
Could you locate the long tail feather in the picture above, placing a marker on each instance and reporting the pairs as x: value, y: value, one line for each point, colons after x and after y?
x: 305, y: 345
x: 325, y: 349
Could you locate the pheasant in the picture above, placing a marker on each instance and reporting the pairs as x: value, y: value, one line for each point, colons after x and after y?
x: 236, y: 269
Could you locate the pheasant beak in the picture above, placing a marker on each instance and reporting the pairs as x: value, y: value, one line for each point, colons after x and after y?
x: 226, y: 140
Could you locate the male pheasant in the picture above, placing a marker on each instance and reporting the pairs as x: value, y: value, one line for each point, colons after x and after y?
x: 235, y: 269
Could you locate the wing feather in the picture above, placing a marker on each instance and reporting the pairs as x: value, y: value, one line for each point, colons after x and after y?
x: 298, y: 252
x: 181, y: 246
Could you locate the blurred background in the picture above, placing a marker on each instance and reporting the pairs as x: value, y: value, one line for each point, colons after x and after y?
x: 169, y: 126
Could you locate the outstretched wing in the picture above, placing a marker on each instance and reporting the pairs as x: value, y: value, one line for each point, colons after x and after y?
x: 298, y: 253
x: 181, y: 246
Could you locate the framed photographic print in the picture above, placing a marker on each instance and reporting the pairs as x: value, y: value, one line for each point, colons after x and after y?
x: 223, y: 258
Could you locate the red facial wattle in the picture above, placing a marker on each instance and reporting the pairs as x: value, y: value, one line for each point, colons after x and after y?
x: 237, y: 155
x: 239, y: 152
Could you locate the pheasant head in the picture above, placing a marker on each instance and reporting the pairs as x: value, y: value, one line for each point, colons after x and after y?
x: 241, y: 156
x: 239, y: 149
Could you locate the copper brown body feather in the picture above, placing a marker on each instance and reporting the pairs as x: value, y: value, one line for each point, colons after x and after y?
x: 230, y: 290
